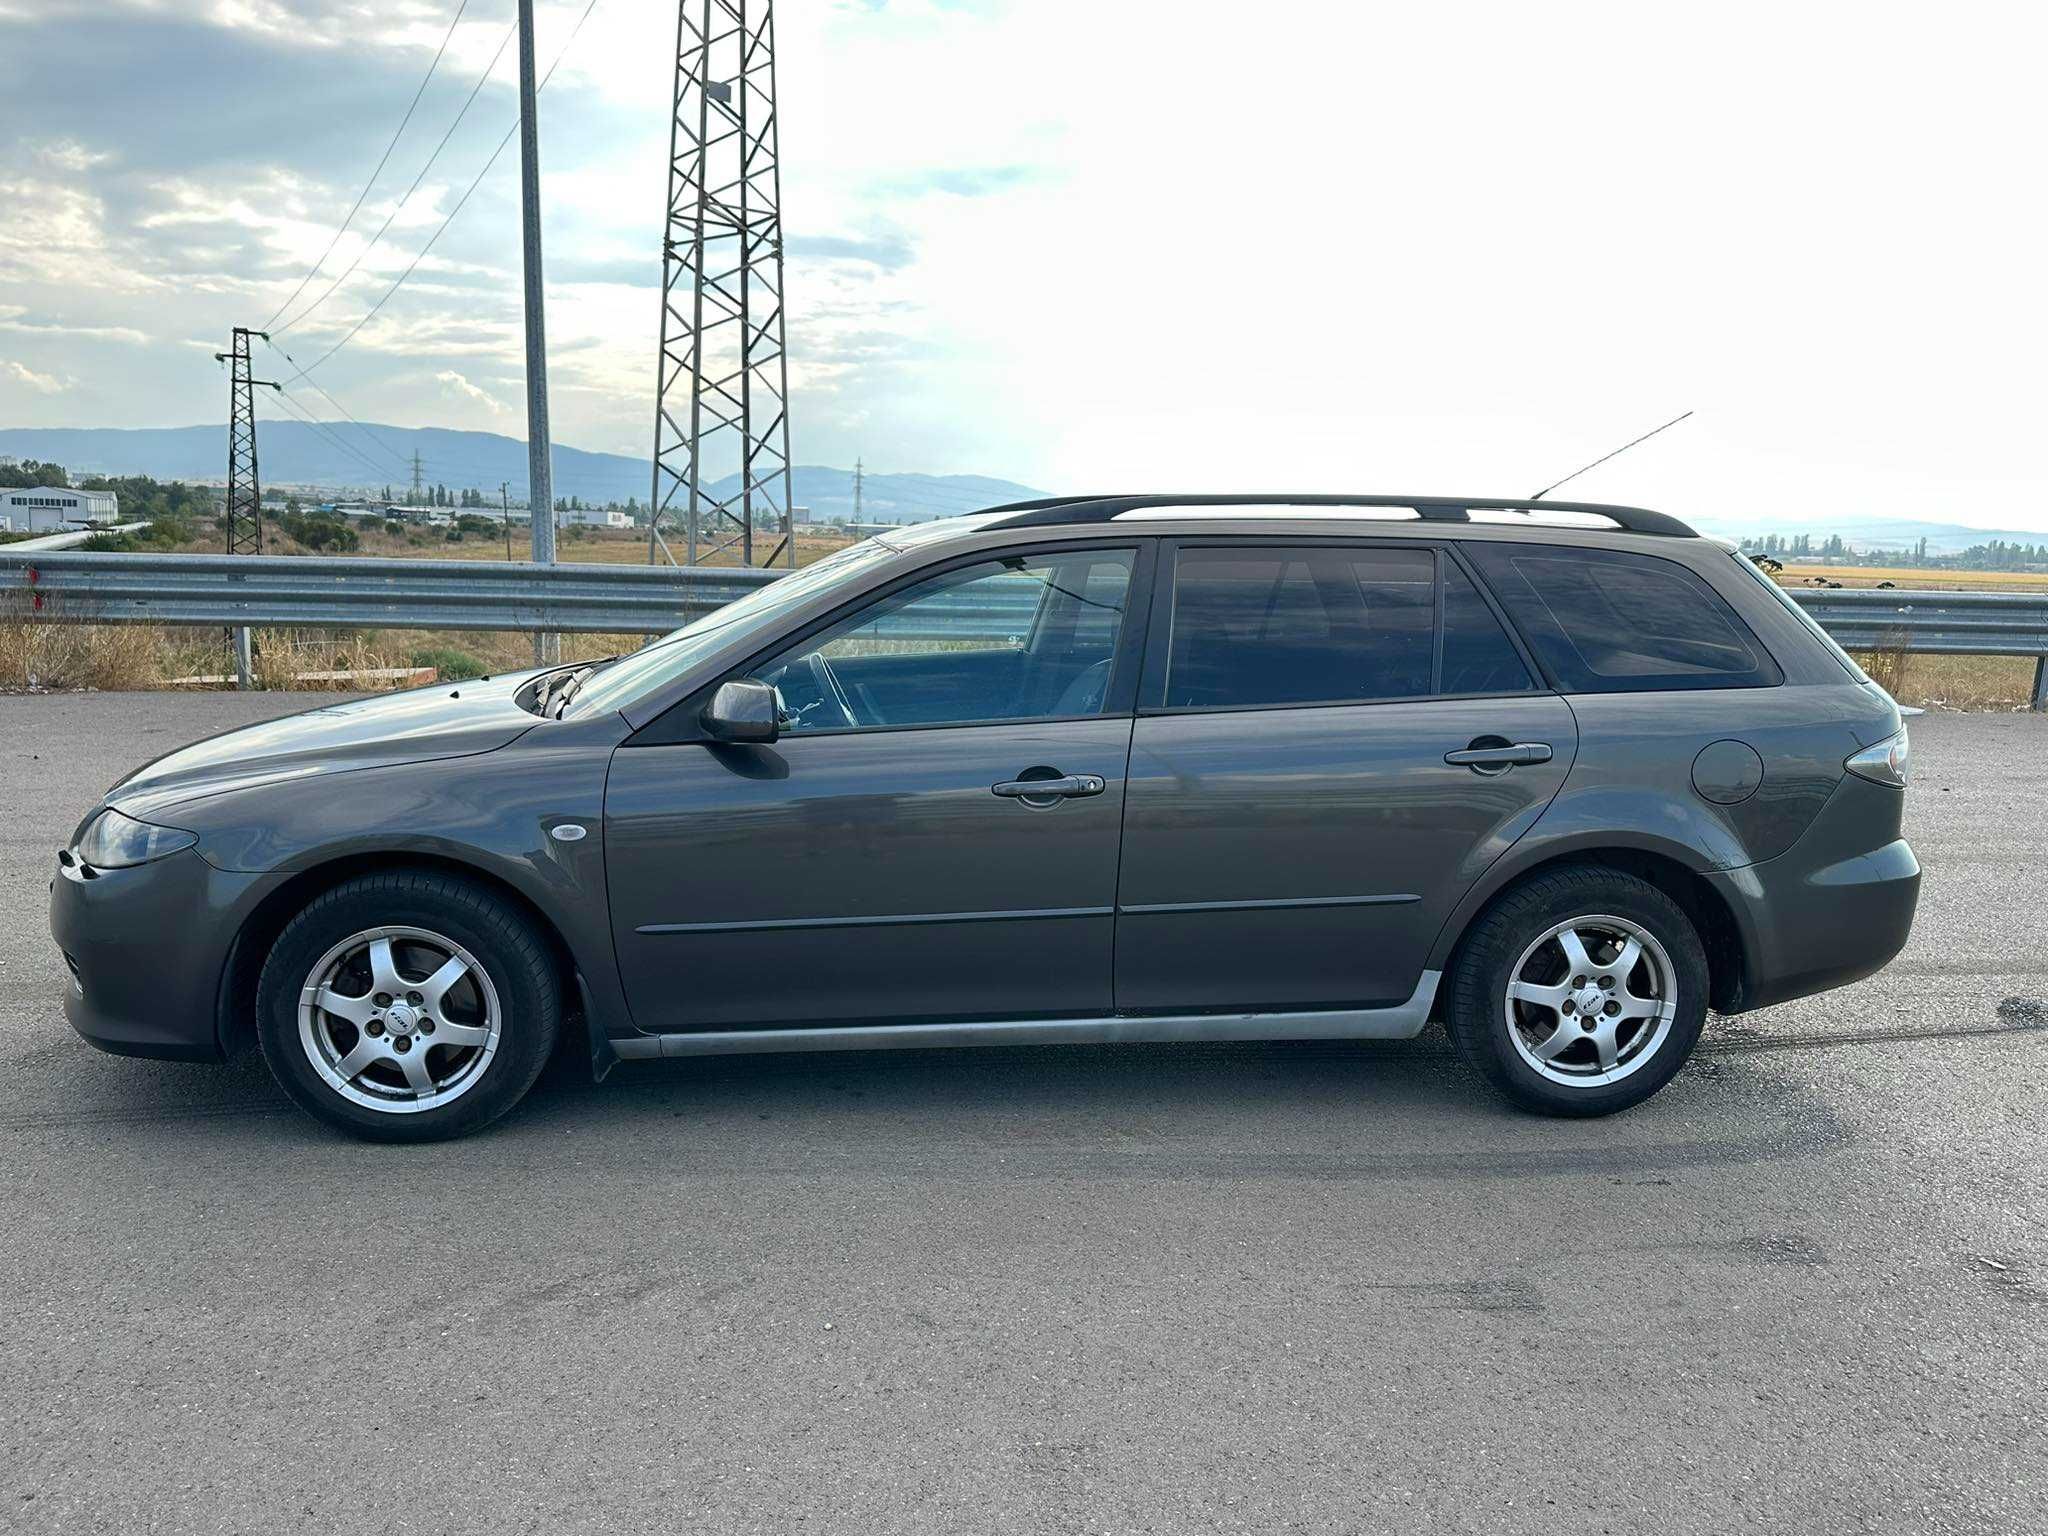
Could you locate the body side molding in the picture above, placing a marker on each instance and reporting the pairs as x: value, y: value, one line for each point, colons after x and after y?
x: 1403, y: 1021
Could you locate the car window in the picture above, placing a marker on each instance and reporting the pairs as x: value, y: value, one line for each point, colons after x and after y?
x: 1018, y: 638
x: 1609, y: 621
x: 1257, y: 627
x: 1478, y: 655
x: 662, y: 661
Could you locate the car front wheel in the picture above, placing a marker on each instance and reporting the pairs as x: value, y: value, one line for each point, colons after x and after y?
x: 1581, y: 992
x: 408, y: 1006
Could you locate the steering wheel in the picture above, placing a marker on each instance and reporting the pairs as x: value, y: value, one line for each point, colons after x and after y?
x: 828, y: 685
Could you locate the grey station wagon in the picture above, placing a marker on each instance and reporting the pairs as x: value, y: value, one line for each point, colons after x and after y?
x: 1137, y: 768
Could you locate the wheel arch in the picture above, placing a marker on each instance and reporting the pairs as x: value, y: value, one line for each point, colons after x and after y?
x: 235, y: 1006
x: 1662, y: 865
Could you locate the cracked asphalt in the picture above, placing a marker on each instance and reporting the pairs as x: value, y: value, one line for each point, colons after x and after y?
x: 1313, y: 1287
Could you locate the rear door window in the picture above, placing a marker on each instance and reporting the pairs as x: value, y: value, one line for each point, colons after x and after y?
x: 1609, y: 621
x: 1255, y: 627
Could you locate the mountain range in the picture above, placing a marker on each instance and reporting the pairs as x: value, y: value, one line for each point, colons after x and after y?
x: 340, y: 457
x: 343, y: 457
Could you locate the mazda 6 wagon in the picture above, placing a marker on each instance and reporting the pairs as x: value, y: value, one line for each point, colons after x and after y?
x: 1141, y: 768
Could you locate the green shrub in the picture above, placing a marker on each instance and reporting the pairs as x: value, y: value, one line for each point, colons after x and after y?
x: 454, y: 664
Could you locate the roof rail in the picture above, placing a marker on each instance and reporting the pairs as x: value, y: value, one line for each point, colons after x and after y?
x: 1055, y: 510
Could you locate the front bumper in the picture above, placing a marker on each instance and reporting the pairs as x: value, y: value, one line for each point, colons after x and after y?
x: 146, y: 949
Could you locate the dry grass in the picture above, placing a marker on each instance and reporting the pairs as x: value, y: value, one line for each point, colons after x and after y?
x: 1913, y: 577
x: 1953, y: 682
x: 37, y: 656
x: 577, y: 545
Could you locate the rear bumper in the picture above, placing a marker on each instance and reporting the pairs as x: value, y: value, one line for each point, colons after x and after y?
x: 1826, y: 912
x: 146, y: 948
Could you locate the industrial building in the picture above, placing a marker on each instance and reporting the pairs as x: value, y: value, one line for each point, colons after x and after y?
x: 51, y: 509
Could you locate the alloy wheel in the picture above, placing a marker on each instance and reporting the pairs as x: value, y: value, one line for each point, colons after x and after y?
x: 399, y: 1020
x: 1591, y: 1000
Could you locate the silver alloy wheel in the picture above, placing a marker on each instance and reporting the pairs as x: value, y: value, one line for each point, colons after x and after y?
x: 399, y: 1020
x: 1591, y: 1000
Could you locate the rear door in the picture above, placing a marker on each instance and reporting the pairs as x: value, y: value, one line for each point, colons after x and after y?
x: 888, y: 860
x: 1333, y: 742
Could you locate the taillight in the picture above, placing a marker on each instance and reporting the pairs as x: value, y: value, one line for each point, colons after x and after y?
x: 1886, y: 762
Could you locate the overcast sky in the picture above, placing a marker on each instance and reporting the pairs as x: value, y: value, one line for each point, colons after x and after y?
x: 1107, y: 244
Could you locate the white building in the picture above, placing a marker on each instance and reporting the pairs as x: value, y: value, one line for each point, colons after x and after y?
x: 49, y: 509
x: 590, y: 517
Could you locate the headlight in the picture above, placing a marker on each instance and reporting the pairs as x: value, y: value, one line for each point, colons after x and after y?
x: 114, y: 841
x: 1887, y: 762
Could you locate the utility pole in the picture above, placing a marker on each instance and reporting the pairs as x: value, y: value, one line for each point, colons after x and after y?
x: 721, y: 407
x: 856, y: 489
x: 540, y: 480
x: 505, y: 502
x: 245, y: 488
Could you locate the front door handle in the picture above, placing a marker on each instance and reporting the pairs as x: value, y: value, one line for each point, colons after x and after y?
x: 1497, y: 759
x: 1066, y: 787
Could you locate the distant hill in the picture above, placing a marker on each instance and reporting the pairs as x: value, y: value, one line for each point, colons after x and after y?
x: 292, y: 453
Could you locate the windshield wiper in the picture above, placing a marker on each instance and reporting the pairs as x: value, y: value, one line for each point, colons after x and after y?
x: 575, y: 681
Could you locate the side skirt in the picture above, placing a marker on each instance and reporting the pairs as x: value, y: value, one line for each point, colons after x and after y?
x: 1401, y: 1022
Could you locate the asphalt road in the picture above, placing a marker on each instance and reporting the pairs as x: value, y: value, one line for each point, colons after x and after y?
x: 1247, y: 1288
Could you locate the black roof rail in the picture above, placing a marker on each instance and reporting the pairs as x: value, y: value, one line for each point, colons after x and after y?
x: 1055, y: 510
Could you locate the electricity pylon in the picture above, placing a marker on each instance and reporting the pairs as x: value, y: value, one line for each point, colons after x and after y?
x: 245, y: 488
x: 722, y: 391
x: 245, y: 491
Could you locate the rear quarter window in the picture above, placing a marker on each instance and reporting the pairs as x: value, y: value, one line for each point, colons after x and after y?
x: 1610, y: 621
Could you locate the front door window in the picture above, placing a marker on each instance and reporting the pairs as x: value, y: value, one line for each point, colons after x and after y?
x: 1018, y: 638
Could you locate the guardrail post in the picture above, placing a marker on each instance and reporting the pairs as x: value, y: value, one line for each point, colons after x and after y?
x: 2041, y: 682
x: 243, y: 671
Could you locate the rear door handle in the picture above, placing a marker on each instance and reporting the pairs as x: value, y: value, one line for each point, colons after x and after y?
x: 1497, y: 758
x: 1067, y: 787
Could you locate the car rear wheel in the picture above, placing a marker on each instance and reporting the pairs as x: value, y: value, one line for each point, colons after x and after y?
x: 1581, y: 992
x: 408, y: 1006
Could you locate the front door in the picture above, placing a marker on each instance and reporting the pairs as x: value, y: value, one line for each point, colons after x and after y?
x: 934, y: 836
x: 1297, y: 826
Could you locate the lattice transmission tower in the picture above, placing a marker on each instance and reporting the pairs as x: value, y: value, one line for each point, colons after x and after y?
x: 721, y: 416
x: 245, y: 490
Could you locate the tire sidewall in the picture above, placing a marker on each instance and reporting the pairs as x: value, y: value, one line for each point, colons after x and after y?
x: 500, y: 942
x: 1478, y: 1015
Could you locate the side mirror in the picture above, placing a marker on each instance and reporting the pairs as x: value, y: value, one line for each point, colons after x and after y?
x: 743, y: 710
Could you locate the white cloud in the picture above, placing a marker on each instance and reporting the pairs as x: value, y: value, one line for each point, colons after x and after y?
x: 41, y: 383
x: 455, y: 384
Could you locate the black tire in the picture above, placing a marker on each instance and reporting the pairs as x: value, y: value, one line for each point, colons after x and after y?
x: 1477, y: 1009
x: 521, y: 974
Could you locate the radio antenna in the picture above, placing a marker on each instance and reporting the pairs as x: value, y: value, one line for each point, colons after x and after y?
x: 1624, y: 448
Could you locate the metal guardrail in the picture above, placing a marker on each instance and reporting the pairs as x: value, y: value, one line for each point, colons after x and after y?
x: 279, y: 592
x: 287, y: 592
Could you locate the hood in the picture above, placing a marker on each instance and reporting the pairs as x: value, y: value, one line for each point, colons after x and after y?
x: 442, y: 721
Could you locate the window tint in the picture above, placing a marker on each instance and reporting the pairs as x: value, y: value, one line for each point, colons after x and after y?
x: 1015, y: 639
x: 1478, y: 656
x: 1605, y: 621
x: 1300, y: 626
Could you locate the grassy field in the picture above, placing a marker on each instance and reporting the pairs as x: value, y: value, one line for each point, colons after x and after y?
x: 601, y: 546
x: 1913, y: 576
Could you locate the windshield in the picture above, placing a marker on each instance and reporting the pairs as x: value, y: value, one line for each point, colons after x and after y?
x: 620, y: 682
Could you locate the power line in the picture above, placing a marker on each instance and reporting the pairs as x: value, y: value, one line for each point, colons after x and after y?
x: 388, y: 148
x: 370, y: 437
x: 481, y: 81
x: 460, y: 204
x: 299, y: 409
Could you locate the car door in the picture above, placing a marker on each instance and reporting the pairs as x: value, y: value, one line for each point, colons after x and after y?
x: 934, y: 835
x: 1333, y: 742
